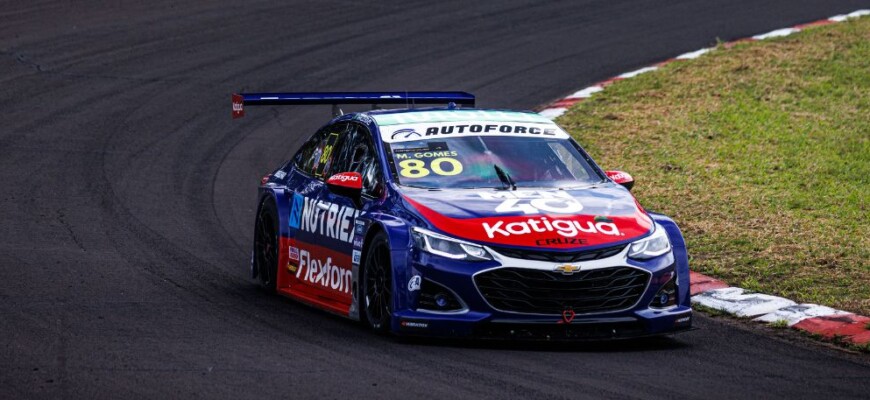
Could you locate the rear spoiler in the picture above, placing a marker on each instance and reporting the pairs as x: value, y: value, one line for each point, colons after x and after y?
x: 409, y: 99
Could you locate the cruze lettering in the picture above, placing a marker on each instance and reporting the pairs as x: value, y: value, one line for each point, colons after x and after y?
x: 560, y: 241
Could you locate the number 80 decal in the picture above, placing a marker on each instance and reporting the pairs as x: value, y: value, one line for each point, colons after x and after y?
x: 417, y: 168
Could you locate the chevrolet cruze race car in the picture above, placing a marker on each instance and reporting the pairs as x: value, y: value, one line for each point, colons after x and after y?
x: 463, y: 222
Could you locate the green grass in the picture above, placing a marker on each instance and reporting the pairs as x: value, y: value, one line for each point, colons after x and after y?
x: 712, y: 312
x: 761, y: 152
x: 779, y: 324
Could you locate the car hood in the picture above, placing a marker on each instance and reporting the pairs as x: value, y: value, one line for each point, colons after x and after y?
x: 551, y: 218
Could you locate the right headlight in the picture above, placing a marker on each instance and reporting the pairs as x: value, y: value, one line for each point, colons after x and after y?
x: 447, y: 246
x: 652, y: 246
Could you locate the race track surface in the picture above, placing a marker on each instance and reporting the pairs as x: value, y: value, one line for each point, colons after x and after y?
x: 127, y: 196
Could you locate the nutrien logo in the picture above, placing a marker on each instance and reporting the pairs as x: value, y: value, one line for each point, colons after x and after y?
x: 296, y: 210
x: 323, y: 218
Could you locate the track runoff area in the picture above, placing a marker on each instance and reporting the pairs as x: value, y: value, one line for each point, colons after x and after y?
x: 709, y: 292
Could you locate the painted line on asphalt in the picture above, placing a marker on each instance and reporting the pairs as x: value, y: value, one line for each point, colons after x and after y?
x: 710, y: 292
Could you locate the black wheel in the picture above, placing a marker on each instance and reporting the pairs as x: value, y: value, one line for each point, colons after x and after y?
x: 377, y: 288
x: 266, y: 245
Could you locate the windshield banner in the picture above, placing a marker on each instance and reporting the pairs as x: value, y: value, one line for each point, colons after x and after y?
x: 404, y: 133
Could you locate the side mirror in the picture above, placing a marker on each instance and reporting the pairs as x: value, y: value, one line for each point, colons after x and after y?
x: 347, y: 184
x: 622, y: 178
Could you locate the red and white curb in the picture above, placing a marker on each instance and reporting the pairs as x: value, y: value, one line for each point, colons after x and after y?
x: 559, y: 107
x: 713, y: 293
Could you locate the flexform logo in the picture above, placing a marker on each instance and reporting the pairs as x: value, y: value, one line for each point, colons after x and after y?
x: 323, y: 273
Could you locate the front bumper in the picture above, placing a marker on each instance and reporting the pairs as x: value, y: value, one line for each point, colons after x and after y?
x: 485, y: 326
x: 477, y: 318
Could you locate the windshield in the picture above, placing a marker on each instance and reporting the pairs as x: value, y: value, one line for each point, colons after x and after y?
x: 474, y: 162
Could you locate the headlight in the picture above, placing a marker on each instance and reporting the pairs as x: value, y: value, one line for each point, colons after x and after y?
x: 449, y: 247
x: 653, y: 246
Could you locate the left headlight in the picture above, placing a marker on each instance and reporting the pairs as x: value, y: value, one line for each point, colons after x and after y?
x: 652, y: 246
x: 447, y: 246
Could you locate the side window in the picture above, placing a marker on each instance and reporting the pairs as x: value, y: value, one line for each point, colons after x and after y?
x: 303, y: 159
x: 323, y: 154
x: 357, y: 154
x: 316, y: 155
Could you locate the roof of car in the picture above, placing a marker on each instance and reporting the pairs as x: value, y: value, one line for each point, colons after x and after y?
x: 426, y: 115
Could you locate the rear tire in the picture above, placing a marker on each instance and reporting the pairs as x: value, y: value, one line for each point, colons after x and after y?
x: 376, y: 298
x: 266, y: 245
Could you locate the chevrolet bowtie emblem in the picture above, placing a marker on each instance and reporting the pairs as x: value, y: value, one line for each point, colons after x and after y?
x: 567, y: 269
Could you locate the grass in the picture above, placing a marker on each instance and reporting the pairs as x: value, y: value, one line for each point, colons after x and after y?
x: 779, y: 324
x: 710, y: 311
x: 761, y: 152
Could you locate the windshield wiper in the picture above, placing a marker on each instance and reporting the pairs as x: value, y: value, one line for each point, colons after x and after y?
x: 505, y: 178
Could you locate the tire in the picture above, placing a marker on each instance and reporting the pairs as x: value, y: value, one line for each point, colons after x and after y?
x: 376, y: 297
x: 266, y: 245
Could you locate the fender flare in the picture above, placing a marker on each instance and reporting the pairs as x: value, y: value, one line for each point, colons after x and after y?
x: 681, y: 255
x: 398, y: 233
x: 282, y: 205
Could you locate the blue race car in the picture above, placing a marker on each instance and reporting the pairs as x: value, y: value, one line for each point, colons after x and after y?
x: 463, y: 222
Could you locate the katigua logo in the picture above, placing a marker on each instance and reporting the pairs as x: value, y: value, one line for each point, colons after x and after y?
x: 563, y: 227
x: 344, y: 178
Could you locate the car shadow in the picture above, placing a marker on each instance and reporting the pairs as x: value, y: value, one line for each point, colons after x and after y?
x: 289, y: 311
x: 656, y: 343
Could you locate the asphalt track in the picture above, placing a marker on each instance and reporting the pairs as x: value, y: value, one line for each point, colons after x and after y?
x: 127, y: 195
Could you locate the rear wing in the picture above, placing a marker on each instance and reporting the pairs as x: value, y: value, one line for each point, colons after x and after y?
x: 409, y: 99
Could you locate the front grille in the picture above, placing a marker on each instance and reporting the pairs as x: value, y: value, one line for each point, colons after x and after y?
x: 559, y: 256
x: 549, y: 292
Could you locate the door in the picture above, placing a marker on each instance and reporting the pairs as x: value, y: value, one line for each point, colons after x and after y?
x: 318, y: 269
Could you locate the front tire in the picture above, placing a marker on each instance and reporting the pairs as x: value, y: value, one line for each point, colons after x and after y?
x: 266, y: 245
x: 377, y: 292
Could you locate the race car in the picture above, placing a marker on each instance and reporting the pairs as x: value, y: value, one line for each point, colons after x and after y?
x: 454, y: 222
